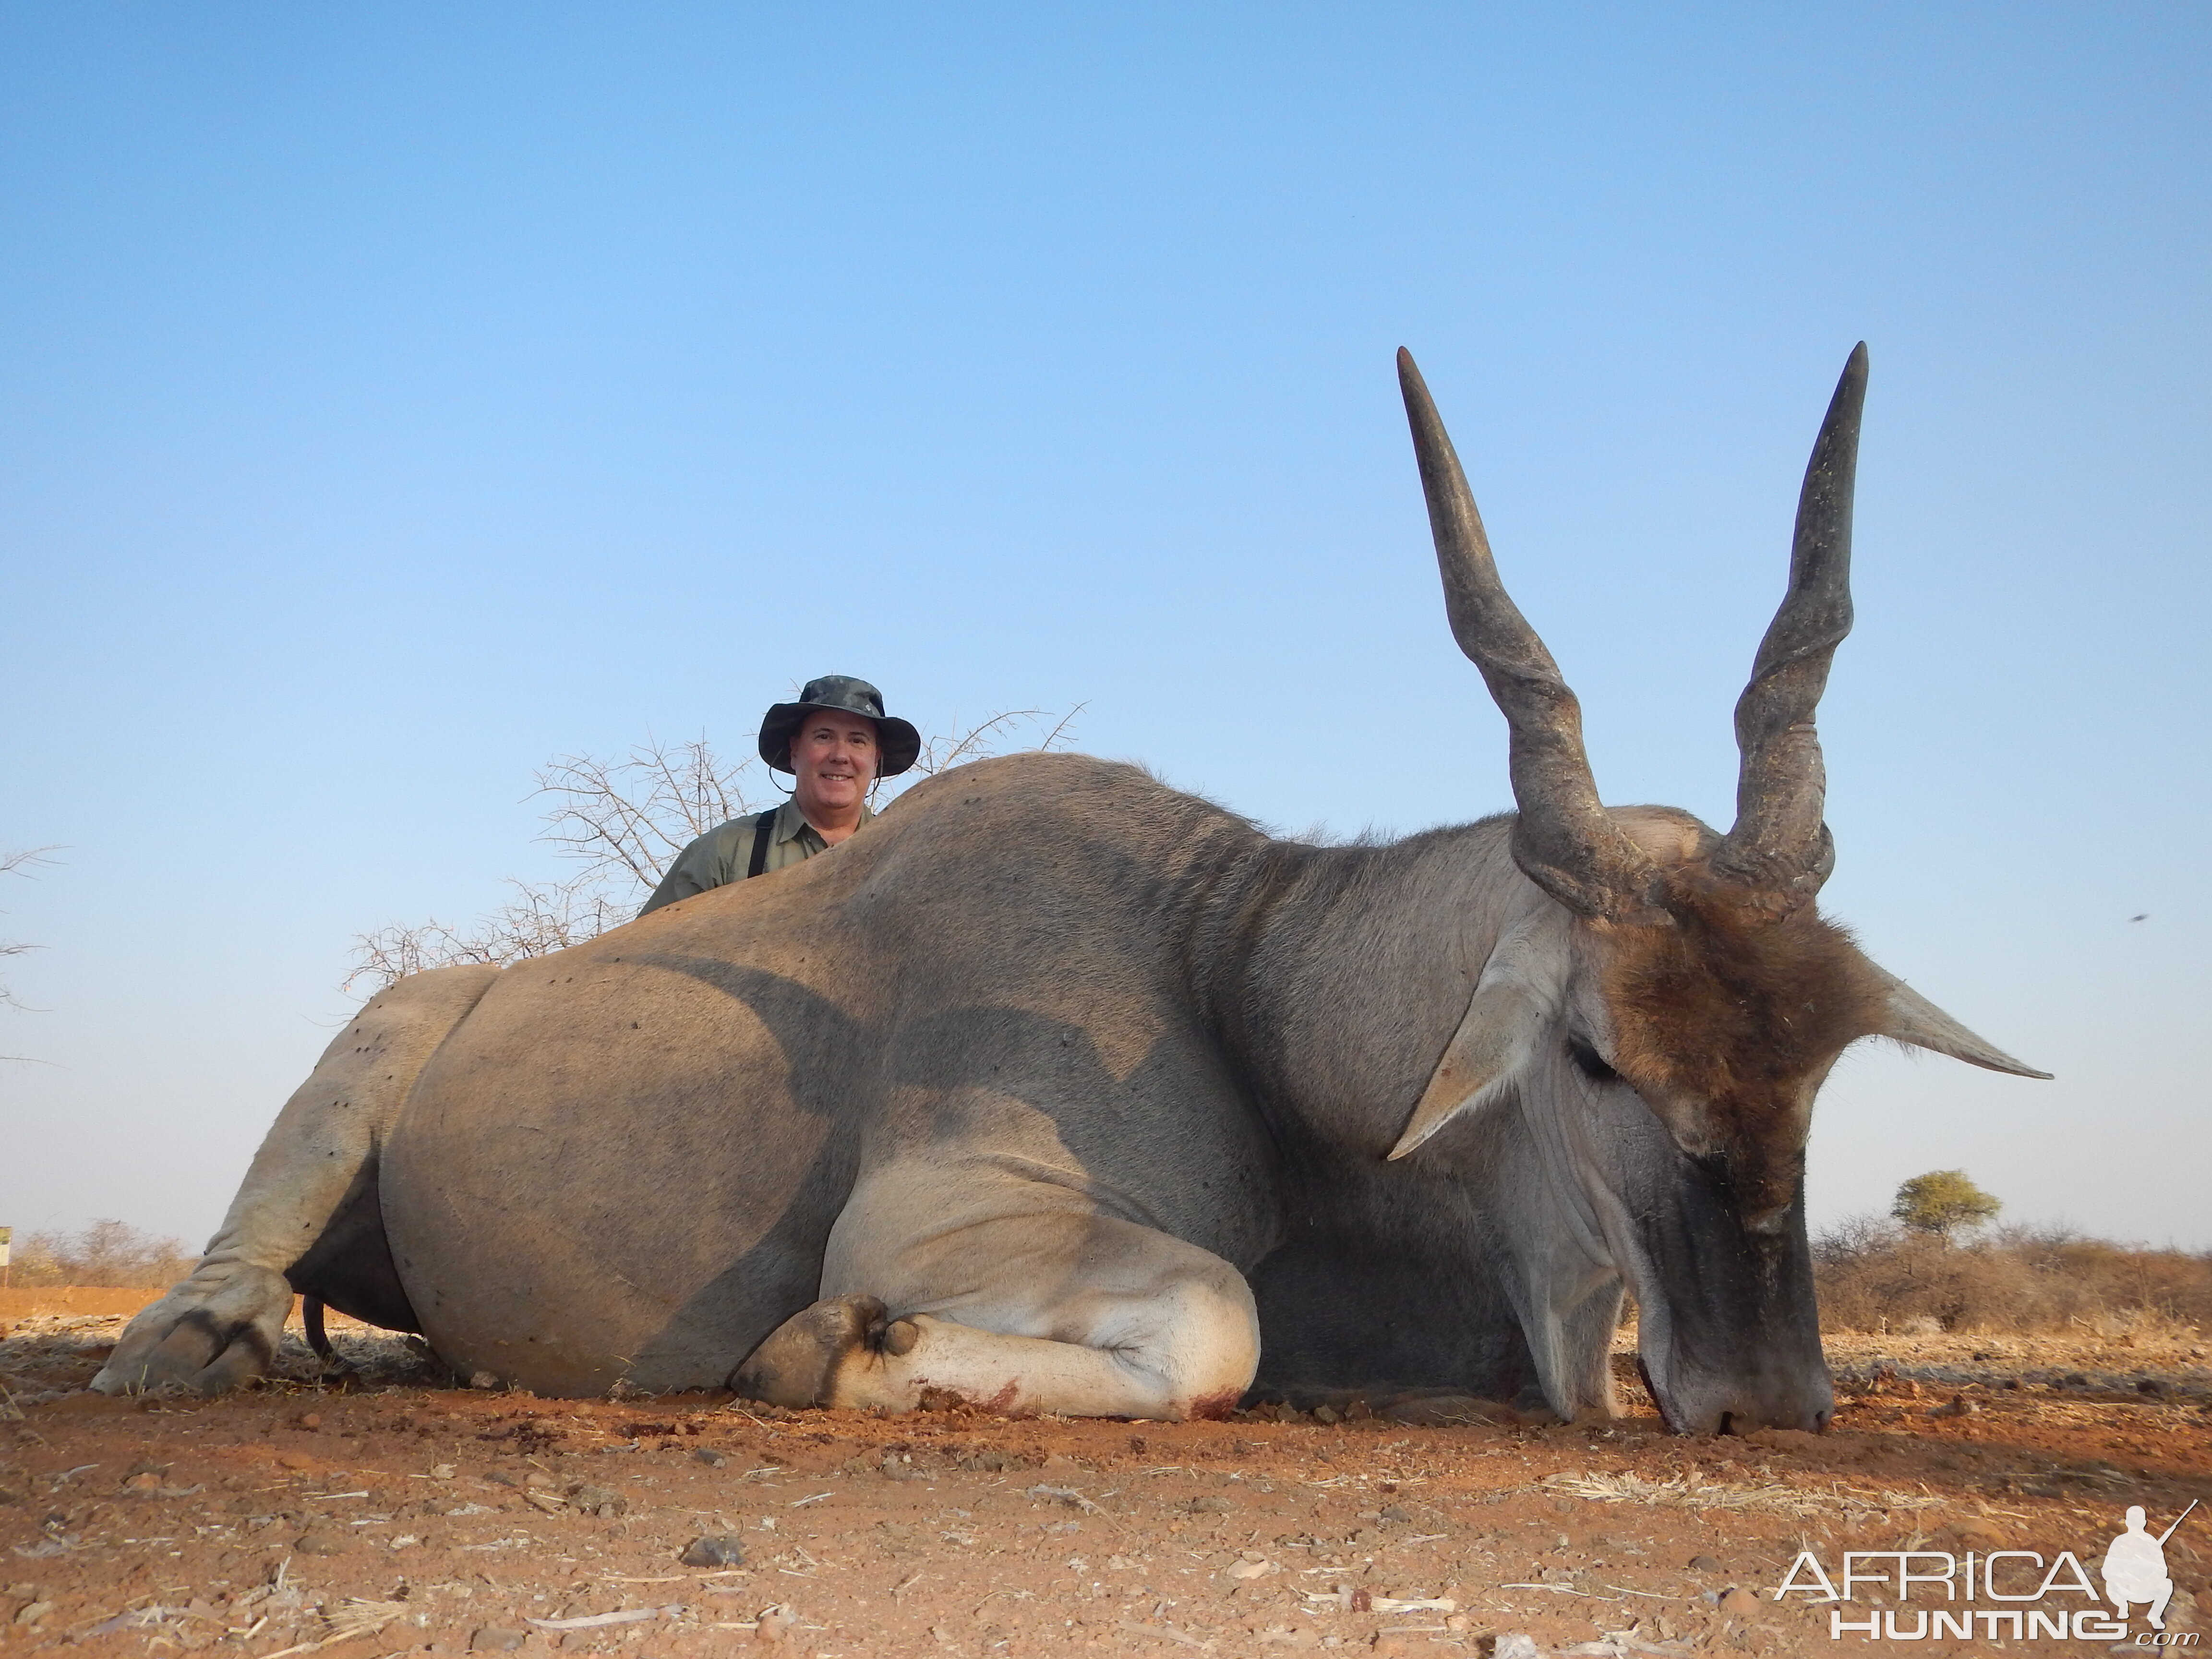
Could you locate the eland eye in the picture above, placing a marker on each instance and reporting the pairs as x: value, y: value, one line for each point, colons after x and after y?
x: 1591, y: 1063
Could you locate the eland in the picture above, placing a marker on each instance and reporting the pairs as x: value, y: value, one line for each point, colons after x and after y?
x: 1061, y: 1091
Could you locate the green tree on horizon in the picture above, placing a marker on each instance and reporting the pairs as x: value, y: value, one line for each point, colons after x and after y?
x: 1941, y: 1202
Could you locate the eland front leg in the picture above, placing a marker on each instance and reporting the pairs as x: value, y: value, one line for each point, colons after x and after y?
x: 1064, y: 1312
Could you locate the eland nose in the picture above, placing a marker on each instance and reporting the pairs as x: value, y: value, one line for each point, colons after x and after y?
x: 1808, y: 1407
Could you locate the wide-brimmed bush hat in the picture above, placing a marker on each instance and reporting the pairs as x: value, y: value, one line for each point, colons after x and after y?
x: 897, y: 743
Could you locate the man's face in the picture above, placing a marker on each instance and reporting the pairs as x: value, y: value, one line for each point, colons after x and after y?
x: 834, y: 757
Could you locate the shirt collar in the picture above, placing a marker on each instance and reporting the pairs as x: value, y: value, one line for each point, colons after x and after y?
x: 790, y: 821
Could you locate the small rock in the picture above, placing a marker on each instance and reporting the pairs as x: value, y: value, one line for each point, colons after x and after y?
x: 1739, y: 1603
x: 1383, y: 1642
x: 33, y: 1614
x: 144, y: 1481
x: 1326, y: 1414
x: 718, y: 1549
x: 709, y: 1457
x: 1251, y: 1569
x: 310, y: 1420
x: 1458, y: 1621
x: 292, y: 1460
x: 1704, y: 1563
x: 497, y: 1638
x: 1515, y: 1644
x: 602, y: 1501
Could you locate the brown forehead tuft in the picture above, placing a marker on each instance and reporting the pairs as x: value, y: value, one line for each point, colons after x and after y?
x: 1735, y: 1011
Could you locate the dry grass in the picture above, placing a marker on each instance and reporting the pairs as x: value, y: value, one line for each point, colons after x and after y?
x: 103, y: 1253
x: 1874, y: 1275
x: 1686, y: 1491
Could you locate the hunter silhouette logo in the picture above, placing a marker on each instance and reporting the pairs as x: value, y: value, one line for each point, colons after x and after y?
x: 2029, y: 1592
x: 2135, y: 1567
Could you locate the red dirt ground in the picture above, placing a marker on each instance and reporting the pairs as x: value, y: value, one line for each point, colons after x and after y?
x: 399, y: 1519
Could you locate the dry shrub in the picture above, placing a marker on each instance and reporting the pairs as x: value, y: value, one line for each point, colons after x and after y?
x: 101, y: 1253
x: 1874, y: 1275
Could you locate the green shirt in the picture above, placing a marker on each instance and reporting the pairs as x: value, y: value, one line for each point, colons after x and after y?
x: 723, y: 855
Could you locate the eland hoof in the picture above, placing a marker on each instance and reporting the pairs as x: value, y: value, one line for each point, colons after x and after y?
x: 215, y: 1331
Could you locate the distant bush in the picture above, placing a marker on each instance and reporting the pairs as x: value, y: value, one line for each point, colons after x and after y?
x: 1875, y: 1274
x: 1943, y: 1202
x: 104, y: 1253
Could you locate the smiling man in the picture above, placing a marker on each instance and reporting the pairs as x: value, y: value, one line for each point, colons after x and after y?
x: 837, y: 741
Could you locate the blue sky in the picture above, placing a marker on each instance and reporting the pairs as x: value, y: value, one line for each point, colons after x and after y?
x: 394, y: 398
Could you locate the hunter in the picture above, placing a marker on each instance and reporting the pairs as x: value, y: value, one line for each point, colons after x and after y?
x: 836, y: 741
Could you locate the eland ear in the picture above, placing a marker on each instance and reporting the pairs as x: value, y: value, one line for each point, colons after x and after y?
x: 1910, y: 1019
x: 1491, y: 1044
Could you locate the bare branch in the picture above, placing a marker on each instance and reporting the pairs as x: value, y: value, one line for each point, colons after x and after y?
x: 13, y: 863
x: 993, y: 737
x: 631, y: 816
x: 623, y: 821
x: 21, y: 861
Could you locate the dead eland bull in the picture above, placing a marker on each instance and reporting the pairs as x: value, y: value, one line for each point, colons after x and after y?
x: 1062, y: 1092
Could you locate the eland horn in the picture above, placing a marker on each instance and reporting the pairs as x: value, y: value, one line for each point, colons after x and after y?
x: 1780, y: 851
x: 1564, y: 841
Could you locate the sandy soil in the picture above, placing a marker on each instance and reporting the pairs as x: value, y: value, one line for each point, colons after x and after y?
x: 398, y: 1516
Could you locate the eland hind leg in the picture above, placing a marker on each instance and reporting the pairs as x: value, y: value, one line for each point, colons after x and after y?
x: 1066, y: 1313
x: 308, y: 1201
